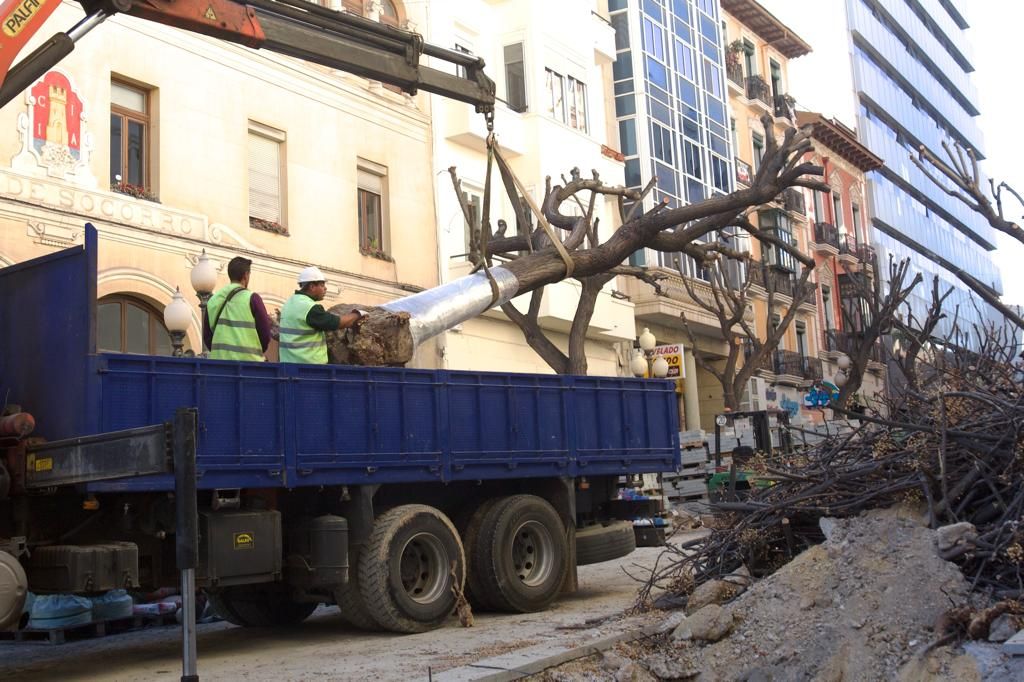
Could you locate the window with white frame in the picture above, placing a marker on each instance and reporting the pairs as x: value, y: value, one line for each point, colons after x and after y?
x: 266, y: 178
x: 554, y: 85
x: 577, y: 96
x: 515, y: 77
x: 372, y: 207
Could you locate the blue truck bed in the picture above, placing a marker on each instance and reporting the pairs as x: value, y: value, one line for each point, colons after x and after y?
x: 283, y: 425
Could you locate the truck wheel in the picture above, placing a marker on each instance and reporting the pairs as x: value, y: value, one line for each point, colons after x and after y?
x: 521, y: 555
x: 350, y: 601
x: 409, y: 567
x: 259, y: 606
x: 595, y: 544
x: 470, y: 531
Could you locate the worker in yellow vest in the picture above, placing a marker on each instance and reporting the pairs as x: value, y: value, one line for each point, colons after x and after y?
x: 237, y: 326
x: 304, y: 321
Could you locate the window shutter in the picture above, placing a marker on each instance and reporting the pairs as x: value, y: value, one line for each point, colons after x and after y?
x: 353, y: 6
x: 264, y: 178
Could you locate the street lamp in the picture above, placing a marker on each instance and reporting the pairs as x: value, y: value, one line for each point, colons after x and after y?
x: 842, y: 376
x: 177, y: 316
x: 204, y: 281
x: 646, y: 363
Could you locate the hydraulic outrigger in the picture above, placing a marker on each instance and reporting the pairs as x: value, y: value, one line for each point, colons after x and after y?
x: 296, y: 28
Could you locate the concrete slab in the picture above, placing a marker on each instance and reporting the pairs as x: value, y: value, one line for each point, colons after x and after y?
x: 1015, y: 645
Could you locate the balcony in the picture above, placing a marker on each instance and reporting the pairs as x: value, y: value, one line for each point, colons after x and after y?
x: 762, y: 275
x: 766, y: 361
x: 734, y: 72
x: 784, y: 108
x: 744, y: 173
x: 836, y: 341
x: 793, y: 201
x: 826, y: 238
x: 791, y: 363
x: 760, y: 92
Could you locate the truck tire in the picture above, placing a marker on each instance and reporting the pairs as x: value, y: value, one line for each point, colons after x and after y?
x: 520, y: 556
x: 350, y: 601
x: 595, y: 544
x: 259, y: 606
x: 410, y: 568
x: 470, y: 532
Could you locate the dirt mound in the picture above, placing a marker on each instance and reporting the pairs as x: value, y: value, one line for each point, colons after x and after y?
x: 857, y: 607
x: 869, y: 603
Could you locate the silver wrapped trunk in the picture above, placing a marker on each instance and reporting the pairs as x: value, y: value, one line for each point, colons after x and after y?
x: 441, y: 308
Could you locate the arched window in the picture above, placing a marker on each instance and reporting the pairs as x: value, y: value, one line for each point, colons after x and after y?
x: 128, y: 325
x: 388, y: 13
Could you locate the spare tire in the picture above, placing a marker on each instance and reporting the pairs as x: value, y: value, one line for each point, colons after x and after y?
x: 595, y: 544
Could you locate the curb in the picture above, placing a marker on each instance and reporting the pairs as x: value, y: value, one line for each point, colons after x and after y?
x: 531, y: 660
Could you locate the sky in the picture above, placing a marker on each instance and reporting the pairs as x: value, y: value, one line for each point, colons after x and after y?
x: 994, y: 33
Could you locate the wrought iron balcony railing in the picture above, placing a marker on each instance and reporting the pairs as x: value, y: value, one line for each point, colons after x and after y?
x: 762, y: 275
x: 827, y: 234
x: 793, y: 201
x: 734, y: 72
x: 784, y: 107
x: 838, y: 341
x: 765, y: 362
x: 794, y: 364
x: 758, y: 90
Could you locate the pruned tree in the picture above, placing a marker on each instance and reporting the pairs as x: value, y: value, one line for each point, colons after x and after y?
x: 915, y: 334
x: 959, y: 177
x: 728, y: 300
x: 873, y: 318
x: 561, y: 244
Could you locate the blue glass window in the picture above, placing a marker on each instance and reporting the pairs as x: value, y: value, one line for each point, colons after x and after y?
x: 632, y: 172
x: 660, y: 111
x: 623, y: 67
x: 653, y: 9
x: 684, y: 60
x: 627, y: 137
x: 654, y: 39
x: 681, y: 8
x: 667, y: 181
x: 661, y: 142
x: 620, y: 22
x: 656, y: 73
x: 625, y: 105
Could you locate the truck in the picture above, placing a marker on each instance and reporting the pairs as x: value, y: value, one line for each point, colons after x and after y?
x: 395, y: 493
x: 391, y: 492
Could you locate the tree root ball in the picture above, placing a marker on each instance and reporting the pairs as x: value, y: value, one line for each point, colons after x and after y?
x: 381, y: 339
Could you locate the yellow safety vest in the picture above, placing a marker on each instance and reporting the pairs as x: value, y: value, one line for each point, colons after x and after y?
x: 234, y: 334
x: 299, y: 342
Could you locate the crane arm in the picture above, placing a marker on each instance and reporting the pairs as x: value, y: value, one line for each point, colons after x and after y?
x: 296, y: 28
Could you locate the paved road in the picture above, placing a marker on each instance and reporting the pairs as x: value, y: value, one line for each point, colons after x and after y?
x: 325, y: 648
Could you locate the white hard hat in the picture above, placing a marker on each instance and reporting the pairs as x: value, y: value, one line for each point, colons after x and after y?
x: 311, y: 274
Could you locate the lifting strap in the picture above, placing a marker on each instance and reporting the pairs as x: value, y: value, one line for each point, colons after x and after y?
x: 506, y: 172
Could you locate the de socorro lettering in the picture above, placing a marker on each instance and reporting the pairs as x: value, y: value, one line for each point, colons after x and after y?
x: 96, y: 206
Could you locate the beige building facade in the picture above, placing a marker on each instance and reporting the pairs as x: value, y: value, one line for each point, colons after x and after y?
x: 553, y: 114
x: 172, y: 144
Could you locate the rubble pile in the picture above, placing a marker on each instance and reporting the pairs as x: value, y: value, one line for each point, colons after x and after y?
x: 870, y: 602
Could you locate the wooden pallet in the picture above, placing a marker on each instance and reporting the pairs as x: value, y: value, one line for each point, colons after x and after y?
x: 97, y: 628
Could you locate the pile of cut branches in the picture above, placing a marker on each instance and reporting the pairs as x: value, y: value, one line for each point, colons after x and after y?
x: 953, y: 441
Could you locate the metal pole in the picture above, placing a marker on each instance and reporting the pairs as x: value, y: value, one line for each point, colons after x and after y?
x: 186, y: 538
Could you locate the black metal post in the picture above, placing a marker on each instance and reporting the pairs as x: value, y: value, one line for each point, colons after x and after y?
x: 187, y: 533
x: 718, y: 445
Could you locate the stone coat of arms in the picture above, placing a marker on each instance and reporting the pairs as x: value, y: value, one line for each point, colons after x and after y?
x: 53, y: 135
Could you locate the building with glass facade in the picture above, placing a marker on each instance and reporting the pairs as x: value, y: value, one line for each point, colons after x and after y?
x: 671, y: 105
x: 908, y: 65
